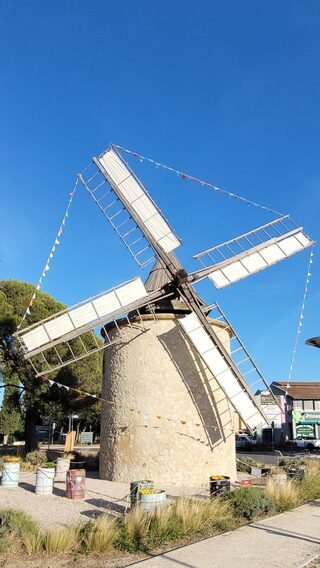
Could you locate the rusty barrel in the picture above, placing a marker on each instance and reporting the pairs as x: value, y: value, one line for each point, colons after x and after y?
x: 76, y: 484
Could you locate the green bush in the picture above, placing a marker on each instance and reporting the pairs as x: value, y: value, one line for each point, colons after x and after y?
x: 250, y: 502
x: 291, y: 463
x: 15, y: 525
x: 37, y: 458
x: 245, y: 463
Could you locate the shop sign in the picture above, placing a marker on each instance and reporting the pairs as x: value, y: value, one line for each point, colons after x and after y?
x: 305, y: 430
x: 269, y: 399
x: 312, y: 415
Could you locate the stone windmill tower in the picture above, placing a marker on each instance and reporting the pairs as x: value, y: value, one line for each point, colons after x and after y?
x: 175, y: 371
x: 160, y: 373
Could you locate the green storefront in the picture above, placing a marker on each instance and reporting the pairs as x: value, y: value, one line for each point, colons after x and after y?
x: 306, y: 423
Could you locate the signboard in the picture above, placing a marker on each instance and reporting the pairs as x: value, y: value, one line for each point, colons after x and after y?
x: 269, y: 399
x: 312, y: 415
x: 86, y: 438
x: 245, y: 482
x: 305, y: 430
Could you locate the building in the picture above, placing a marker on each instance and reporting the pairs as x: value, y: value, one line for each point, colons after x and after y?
x: 300, y: 407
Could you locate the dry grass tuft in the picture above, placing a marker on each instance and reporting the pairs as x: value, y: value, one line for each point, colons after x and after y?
x: 102, y: 534
x: 33, y: 542
x: 61, y: 540
x: 136, y: 525
x: 197, y: 514
x: 285, y: 493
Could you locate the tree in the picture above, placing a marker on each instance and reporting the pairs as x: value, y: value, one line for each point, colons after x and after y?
x: 10, y: 413
x: 40, y: 402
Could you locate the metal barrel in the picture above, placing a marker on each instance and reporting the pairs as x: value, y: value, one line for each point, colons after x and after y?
x: 63, y: 466
x: 10, y: 474
x: 149, y: 501
x: 134, y: 488
x: 44, y: 480
x: 76, y: 484
x: 219, y: 486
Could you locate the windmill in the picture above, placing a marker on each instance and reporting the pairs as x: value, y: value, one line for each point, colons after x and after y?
x: 68, y: 336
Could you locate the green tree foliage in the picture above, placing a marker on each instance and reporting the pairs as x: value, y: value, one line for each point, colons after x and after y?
x: 39, y: 401
x: 10, y: 413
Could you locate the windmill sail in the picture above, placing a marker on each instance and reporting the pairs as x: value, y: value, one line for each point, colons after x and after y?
x: 77, y: 322
x: 132, y: 213
x: 252, y: 252
x: 228, y: 378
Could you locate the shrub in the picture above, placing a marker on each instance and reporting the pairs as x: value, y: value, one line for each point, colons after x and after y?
x: 250, y: 502
x: 37, y: 458
x: 15, y: 525
x: 244, y: 464
x: 291, y: 463
x: 284, y: 494
x: 100, y: 535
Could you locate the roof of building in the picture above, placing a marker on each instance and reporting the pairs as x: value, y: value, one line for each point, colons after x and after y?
x: 300, y: 390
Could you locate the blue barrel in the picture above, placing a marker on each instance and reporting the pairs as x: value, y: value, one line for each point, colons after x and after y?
x: 10, y: 474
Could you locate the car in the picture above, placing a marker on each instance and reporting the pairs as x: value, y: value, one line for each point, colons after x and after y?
x: 310, y: 443
x: 245, y: 441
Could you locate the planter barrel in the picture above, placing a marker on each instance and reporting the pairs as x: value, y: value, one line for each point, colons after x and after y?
x: 63, y: 465
x: 219, y: 486
x: 134, y: 488
x: 44, y: 480
x: 150, y: 501
x: 76, y: 484
x: 10, y: 474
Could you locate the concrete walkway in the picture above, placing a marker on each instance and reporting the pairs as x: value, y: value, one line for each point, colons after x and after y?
x: 286, y: 541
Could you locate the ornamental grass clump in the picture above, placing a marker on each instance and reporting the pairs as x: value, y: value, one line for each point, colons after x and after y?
x: 101, y: 534
x: 61, y: 540
x: 194, y: 515
x: 164, y: 526
x: 135, y: 528
x: 285, y: 494
x: 250, y: 502
x: 310, y: 485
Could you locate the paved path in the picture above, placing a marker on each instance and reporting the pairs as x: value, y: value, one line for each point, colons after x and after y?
x: 284, y: 541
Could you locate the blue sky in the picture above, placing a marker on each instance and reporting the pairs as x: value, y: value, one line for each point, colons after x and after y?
x: 227, y: 91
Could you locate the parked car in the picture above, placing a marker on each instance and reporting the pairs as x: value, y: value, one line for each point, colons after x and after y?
x: 310, y: 443
x: 245, y: 441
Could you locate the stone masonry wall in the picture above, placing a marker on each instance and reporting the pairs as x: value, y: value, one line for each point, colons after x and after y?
x: 158, y: 372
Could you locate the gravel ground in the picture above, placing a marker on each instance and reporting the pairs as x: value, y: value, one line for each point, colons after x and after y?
x: 56, y: 509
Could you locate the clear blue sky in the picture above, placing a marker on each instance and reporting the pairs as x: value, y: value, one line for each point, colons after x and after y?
x: 228, y: 91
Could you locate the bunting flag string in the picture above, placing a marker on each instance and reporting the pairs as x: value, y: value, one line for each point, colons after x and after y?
x: 143, y: 413
x: 51, y: 254
x: 301, y: 318
x: 201, y: 182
